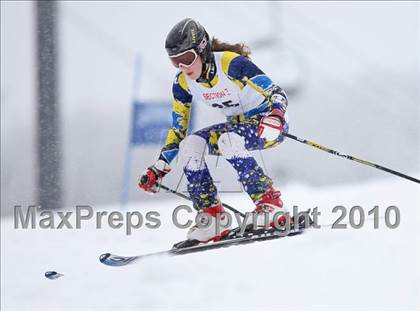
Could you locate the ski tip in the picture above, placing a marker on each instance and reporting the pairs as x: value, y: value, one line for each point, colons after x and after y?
x: 115, y: 260
x: 104, y: 257
x: 52, y: 275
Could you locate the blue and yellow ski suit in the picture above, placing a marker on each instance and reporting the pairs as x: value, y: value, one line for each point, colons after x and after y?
x: 242, y: 92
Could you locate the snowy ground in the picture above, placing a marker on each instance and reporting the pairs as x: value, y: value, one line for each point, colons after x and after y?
x: 323, y: 269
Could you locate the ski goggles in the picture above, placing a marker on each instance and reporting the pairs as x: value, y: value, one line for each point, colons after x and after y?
x: 186, y: 58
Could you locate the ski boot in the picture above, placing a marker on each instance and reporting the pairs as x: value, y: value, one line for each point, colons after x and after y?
x: 203, y: 232
x: 267, y: 206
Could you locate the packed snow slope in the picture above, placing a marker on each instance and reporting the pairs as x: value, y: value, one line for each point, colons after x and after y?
x: 323, y: 269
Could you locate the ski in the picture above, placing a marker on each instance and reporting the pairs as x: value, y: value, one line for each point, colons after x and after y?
x: 233, y: 238
x: 117, y: 260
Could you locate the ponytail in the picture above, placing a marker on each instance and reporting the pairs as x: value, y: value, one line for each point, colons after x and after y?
x: 239, y: 48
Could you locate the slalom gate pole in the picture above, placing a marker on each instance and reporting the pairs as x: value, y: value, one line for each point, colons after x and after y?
x: 181, y: 195
x: 349, y: 157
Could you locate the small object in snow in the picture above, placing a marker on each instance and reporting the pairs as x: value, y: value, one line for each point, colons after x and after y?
x: 52, y: 275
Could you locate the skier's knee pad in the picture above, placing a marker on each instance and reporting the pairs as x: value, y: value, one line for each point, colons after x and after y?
x: 192, y: 150
x: 232, y: 145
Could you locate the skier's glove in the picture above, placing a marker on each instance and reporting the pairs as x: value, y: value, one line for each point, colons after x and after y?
x: 271, y: 126
x: 149, y: 180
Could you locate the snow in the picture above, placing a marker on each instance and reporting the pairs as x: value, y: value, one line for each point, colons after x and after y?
x: 328, y: 269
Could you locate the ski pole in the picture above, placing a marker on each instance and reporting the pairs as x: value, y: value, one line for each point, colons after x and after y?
x: 310, y: 143
x: 188, y: 198
x: 350, y: 157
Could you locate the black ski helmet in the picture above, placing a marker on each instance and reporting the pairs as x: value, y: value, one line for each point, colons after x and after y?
x: 186, y: 35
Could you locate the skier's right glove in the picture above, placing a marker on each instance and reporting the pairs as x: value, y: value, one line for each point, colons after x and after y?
x: 150, y: 179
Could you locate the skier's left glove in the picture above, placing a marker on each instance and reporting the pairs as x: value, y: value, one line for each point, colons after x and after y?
x: 271, y: 126
x: 149, y: 180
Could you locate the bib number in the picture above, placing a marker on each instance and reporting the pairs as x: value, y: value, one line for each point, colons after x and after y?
x: 226, y: 104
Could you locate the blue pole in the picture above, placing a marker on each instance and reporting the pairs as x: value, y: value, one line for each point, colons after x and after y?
x: 126, y: 177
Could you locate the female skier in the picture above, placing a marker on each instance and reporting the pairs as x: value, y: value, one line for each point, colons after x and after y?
x: 222, y: 76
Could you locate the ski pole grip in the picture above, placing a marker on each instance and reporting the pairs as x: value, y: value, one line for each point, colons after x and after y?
x: 144, y: 179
